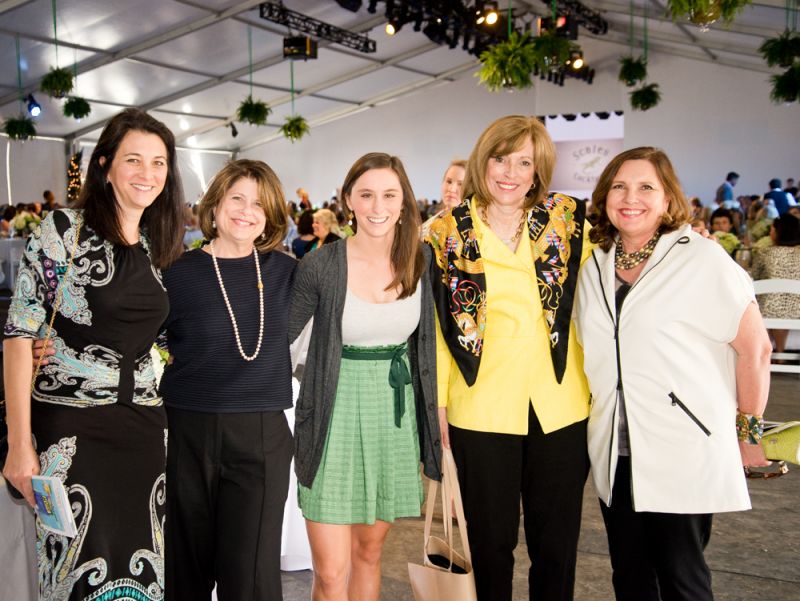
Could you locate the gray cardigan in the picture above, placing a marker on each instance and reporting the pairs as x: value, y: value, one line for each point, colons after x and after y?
x: 320, y: 287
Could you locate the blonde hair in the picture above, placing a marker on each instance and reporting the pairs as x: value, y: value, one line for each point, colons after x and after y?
x: 270, y: 197
x: 328, y: 218
x: 502, y: 137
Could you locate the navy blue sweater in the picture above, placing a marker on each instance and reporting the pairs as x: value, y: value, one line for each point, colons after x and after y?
x: 207, y: 372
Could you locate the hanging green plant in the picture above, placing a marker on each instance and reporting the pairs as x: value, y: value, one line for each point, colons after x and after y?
x: 295, y: 128
x: 19, y: 128
x: 552, y: 51
x: 632, y: 70
x: 705, y: 12
x: 57, y: 83
x: 509, y: 64
x: 77, y: 108
x: 786, y: 86
x: 645, y: 97
x: 781, y: 51
x: 254, y: 112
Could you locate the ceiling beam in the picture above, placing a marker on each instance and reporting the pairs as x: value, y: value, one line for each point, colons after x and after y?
x: 151, y: 42
x: 7, y: 5
x: 443, y: 78
x: 313, y: 90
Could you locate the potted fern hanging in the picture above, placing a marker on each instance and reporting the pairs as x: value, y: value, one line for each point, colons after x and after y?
x: 705, y: 12
x: 57, y: 83
x: 19, y: 128
x: 645, y: 97
x: 253, y: 111
x: 632, y: 70
x: 295, y: 128
x: 77, y: 108
x: 786, y: 86
x: 782, y: 51
x: 508, y: 64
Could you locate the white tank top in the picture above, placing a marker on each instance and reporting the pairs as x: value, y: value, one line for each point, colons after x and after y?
x: 379, y: 324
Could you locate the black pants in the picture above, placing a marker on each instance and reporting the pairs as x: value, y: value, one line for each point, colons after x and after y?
x: 549, y: 471
x: 655, y: 556
x: 227, y: 482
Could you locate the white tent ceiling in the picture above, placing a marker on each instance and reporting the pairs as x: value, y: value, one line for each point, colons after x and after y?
x: 186, y: 61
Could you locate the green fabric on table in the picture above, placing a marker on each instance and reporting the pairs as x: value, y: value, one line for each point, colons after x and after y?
x: 370, y: 467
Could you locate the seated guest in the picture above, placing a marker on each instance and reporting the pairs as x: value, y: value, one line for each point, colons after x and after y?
x: 326, y: 229
x: 782, y: 260
x: 781, y: 199
x: 724, y: 230
x: 305, y: 233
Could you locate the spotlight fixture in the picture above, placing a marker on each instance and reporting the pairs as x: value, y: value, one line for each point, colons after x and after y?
x: 34, y: 108
x: 372, y: 6
x: 234, y: 131
x: 393, y: 26
x: 487, y: 14
x: 576, y: 60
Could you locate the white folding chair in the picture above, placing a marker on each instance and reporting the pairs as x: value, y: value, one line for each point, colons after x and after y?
x: 783, y: 287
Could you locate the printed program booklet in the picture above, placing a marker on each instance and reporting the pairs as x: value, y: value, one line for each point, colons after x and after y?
x: 52, y: 505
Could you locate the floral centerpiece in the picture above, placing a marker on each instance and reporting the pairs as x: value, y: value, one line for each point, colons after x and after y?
x: 24, y: 223
x: 728, y: 241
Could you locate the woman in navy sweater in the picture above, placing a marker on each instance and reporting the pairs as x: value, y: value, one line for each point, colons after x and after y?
x: 225, y: 389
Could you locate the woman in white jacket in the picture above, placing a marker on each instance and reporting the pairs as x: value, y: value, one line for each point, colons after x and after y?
x: 679, y: 377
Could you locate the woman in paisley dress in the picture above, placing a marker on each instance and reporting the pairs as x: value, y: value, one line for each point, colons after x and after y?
x: 94, y: 410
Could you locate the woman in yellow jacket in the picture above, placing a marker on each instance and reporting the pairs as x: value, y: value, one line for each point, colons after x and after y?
x: 512, y: 395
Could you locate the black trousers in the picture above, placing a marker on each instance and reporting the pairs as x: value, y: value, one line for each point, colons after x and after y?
x: 655, y: 556
x: 549, y: 472
x: 227, y: 482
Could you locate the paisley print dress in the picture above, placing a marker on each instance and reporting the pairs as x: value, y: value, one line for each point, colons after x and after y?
x: 98, y: 420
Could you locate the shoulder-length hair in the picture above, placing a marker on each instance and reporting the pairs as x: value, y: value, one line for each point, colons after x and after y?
x: 270, y: 197
x: 162, y: 221
x: 678, y: 211
x: 504, y: 136
x: 406, y: 254
x: 328, y: 218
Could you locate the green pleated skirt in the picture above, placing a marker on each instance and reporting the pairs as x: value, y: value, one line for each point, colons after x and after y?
x: 370, y: 466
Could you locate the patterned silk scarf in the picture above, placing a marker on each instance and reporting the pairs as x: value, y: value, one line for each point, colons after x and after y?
x: 555, y: 230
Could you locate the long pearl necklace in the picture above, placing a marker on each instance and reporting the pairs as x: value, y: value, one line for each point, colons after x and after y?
x: 230, y: 309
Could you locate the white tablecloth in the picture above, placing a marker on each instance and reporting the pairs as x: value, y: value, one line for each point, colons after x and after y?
x: 10, y: 253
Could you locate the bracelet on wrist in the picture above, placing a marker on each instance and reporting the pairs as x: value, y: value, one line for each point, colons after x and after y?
x: 749, y: 428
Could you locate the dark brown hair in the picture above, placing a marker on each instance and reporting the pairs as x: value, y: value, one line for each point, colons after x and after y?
x: 270, y: 197
x: 678, y: 211
x: 162, y: 221
x: 406, y: 253
x: 504, y: 136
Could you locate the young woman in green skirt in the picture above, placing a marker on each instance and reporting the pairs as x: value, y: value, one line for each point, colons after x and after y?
x: 366, y: 415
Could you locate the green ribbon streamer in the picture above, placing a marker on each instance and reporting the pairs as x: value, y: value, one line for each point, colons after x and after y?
x: 645, y: 31
x: 55, y: 30
x: 19, y: 72
x: 554, y: 6
x: 250, y: 53
x: 291, y: 74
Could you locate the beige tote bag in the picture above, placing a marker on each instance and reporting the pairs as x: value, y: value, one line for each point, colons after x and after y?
x: 444, y: 575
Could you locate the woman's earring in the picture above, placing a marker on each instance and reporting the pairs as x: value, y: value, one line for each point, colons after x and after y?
x: 213, y: 224
x: 350, y: 219
x: 263, y: 235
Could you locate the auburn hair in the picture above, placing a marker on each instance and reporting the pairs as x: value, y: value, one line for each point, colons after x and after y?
x: 502, y: 137
x: 678, y: 213
x: 270, y: 197
x: 406, y: 254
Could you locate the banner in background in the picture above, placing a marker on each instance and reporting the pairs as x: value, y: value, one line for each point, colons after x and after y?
x: 579, y: 164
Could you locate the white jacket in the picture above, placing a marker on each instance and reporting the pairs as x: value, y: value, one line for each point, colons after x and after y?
x: 678, y: 374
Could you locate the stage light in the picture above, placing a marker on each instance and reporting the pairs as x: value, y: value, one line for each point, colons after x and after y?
x: 393, y: 26
x: 576, y: 60
x: 492, y: 17
x: 34, y: 108
x: 234, y: 131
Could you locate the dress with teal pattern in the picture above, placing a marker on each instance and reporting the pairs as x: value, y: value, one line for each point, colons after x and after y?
x: 96, y: 415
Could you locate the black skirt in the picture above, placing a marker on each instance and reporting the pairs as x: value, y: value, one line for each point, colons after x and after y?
x: 113, y: 461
